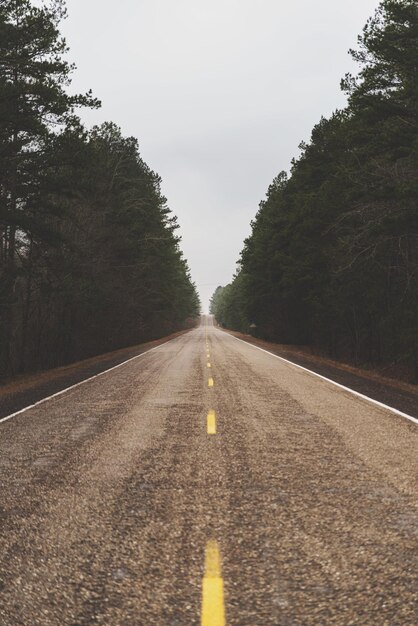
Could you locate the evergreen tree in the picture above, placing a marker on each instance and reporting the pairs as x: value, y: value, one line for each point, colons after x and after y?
x: 332, y: 260
x: 89, y: 257
x: 33, y: 103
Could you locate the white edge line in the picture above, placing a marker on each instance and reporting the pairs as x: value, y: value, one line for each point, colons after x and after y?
x: 86, y: 380
x: 329, y: 380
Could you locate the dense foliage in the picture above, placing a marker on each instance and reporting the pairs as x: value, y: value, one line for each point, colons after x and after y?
x: 89, y: 258
x: 332, y: 260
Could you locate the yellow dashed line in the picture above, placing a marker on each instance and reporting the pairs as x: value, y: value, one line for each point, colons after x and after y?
x: 210, y: 382
x: 213, y: 606
x: 211, y: 423
x: 209, y: 365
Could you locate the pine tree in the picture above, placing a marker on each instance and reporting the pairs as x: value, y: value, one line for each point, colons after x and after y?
x: 34, y: 103
x: 332, y: 259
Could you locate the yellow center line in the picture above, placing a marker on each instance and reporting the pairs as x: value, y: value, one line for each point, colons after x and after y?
x: 211, y: 423
x: 210, y: 382
x: 209, y: 365
x: 213, y: 605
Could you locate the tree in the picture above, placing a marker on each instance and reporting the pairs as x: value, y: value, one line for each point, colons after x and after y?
x: 33, y: 104
x: 332, y: 259
x: 89, y: 257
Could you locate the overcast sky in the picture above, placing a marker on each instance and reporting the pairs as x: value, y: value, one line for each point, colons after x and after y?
x: 219, y: 93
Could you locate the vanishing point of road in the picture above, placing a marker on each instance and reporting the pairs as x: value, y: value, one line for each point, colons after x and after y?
x: 207, y: 482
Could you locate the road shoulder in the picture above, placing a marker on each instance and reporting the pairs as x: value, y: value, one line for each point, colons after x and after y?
x: 397, y: 394
x: 22, y: 391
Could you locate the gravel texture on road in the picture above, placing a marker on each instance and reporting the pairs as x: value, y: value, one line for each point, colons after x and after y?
x: 395, y: 393
x: 22, y: 391
x: 111, y: 492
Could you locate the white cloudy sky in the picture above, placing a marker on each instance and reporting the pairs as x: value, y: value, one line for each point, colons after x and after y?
x: 220, y: 93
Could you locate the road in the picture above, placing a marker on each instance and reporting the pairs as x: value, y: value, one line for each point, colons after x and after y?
x: 150, y: 496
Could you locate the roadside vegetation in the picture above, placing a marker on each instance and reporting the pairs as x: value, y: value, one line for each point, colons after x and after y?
x: 332, y: 259
x: 89, y: 257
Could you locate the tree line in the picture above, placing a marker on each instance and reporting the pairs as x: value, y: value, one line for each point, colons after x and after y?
x: 89, y: 256
x: 332, y: 259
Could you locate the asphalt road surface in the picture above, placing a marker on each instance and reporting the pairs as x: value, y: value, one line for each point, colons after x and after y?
x: 207, y: 482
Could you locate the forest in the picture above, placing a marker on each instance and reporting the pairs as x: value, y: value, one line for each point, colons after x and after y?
x: 332, y: 258
x: 89, y: 256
